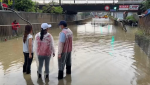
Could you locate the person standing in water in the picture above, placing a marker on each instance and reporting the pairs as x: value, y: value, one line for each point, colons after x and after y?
x: 27, y: 49
x: 44, y: 48
x: 125, y: 14
x: 15, y: 27
x: 64, y: 49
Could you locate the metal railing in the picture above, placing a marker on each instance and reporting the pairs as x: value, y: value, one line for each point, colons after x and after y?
x: 6, y: 28
x: 91, y: 1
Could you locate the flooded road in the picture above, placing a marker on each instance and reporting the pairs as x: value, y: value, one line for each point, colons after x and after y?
x: 102, y: 55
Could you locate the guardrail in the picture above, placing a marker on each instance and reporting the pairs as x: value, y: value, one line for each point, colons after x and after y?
x: 42, y: 2
x: 6, y: 29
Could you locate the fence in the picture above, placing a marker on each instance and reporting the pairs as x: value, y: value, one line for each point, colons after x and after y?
x: 144, y: 24
x: 6, y: 18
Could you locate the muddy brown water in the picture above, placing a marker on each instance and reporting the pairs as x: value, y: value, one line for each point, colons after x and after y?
x: 102, y: 55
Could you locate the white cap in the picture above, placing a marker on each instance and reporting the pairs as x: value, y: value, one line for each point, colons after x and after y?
x: 44, y: 26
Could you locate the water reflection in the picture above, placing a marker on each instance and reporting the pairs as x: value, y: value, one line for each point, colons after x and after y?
x: 66, y: 81
x: 40, y: 81
x: 28, y: 79
x: 93, y: 64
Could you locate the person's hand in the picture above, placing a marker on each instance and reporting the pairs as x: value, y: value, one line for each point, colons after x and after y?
x: 53, y: 54
x: 59, y: 56
x: 30, y: 56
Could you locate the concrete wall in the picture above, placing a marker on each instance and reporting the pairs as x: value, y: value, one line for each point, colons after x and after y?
x: 144, y: 43
x: 142, y: 38
x: 6, y: 18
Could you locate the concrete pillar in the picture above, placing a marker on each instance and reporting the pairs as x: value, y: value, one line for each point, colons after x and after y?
x: 74, y: 1
x: 43, y: 1
x: 59, y: 2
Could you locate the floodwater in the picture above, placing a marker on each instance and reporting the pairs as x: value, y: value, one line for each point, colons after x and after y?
x: 102, y: 55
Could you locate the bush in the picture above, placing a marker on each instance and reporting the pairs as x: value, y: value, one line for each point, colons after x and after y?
x: 52, y: 9
x: 145, y: 5
x: 57, y: 10
x: 25, y: 5
x: 131, y: 18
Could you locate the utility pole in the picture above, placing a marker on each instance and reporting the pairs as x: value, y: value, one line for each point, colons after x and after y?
x: 13, y: 4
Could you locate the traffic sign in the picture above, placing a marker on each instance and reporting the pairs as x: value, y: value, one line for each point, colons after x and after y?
x: 107, y: 8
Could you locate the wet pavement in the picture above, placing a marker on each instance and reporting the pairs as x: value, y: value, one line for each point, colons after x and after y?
x: 102, y: 55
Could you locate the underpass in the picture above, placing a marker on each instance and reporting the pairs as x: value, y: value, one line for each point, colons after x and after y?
x: 102, y: 55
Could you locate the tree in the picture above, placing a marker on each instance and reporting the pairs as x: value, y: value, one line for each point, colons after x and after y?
x: 49, y: 8
x: 57, y: 10
x: 25, y: 5
x: 10, y: 2
x: 145, y: 5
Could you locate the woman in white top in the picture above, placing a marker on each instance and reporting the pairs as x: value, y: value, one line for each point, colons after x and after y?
x: 44, y: 48
x: 27, y: 49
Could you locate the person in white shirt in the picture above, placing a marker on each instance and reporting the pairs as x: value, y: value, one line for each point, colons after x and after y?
x: 27, y: 49
x: 44, y: 49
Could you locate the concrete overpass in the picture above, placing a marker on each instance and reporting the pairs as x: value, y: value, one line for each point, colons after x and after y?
x: 74, y: 6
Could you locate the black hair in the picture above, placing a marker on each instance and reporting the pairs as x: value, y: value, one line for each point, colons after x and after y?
x: 43, y: 32
x: 28, y: 29
x: 14, y: 21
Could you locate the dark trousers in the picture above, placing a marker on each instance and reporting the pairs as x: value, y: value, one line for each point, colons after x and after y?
x: 64, y: 60
x: 15, y: 32
x: 27, y: 63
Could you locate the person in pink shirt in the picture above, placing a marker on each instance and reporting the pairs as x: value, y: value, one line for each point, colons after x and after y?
x: 44, y: 49
x: 64, y: 49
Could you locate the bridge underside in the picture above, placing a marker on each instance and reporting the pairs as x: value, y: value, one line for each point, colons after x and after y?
x: 93, y: 7
x: 74, y: 8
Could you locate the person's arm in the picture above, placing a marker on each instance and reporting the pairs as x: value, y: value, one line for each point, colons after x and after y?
x: 61, y: 44
x: 18, y: 25
x: 30, y: 47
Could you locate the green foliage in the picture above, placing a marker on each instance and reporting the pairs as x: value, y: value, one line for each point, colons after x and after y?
x: 25, y: 5
x: 139, y: 32
x: 51, y: 9
x: 146, y: 5
x: 131, y: 18
x: 57, y: 10
x: 10, y: 2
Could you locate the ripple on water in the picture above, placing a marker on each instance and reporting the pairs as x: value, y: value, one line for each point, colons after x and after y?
x: 101, y: 56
